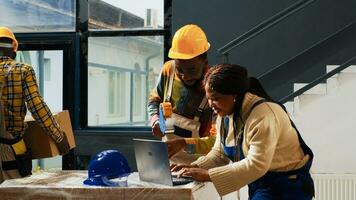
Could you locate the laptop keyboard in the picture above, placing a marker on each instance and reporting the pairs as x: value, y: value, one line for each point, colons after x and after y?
x: 181, y: 180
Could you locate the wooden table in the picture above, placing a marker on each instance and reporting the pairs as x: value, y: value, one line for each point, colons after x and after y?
x: 69, y: 185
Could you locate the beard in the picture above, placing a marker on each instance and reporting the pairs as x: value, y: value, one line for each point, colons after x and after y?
x: 194, y: 83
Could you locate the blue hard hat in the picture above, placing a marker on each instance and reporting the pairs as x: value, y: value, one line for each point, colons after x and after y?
x: 106, y: 165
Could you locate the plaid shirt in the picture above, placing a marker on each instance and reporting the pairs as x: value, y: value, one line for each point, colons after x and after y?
x: 20, y: 89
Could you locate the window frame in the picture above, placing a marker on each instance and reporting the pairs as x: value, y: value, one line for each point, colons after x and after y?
x: 101, y: 138
x: 75, y: 83
x: 68, y: 43
x: 165, y: 32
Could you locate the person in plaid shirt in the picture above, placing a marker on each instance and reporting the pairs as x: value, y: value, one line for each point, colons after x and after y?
x: 19, y: 91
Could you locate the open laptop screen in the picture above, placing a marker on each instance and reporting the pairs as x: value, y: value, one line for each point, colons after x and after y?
x: 153, y: 162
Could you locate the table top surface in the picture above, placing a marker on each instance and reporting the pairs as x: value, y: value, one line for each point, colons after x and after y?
x: 44, y: 185
x: 75, y: 178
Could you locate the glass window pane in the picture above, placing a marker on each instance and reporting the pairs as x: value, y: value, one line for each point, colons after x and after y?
x: 121, y: 73
x: 123, y: 14
x: 38, y: 15
x: 48, y: 66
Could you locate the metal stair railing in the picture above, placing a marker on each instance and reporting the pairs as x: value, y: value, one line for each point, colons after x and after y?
x: 263, y: 26
x: 272, y: 70
x: 318, y: 80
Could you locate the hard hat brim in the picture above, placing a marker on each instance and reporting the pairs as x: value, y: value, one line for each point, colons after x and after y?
x: 103, y: 181
x: 15, y: 44
x: 183, y: 56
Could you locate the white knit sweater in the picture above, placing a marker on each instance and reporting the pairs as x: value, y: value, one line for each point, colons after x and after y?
x: 270, y: 143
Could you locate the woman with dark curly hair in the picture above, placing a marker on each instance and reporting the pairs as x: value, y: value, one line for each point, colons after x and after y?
x: 257, y: 143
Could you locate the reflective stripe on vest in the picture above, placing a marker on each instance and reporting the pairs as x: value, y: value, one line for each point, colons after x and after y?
x: 192, y: 125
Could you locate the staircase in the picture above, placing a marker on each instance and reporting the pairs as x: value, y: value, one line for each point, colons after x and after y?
x: 325, y: 115
x: 326, y: 118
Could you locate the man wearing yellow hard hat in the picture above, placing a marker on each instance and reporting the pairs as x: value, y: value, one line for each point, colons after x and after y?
x: 177, y: 106
x: 19, y: 90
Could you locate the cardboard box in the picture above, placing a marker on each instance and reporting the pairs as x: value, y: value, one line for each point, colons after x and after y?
x: 40, y: 143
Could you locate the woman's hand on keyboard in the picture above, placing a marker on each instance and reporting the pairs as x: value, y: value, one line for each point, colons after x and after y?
x: 198, y: 174
x: 177, y: 167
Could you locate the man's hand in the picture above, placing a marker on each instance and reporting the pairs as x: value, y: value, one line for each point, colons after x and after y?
x: 156, y: 131
x: 197, y: 174
x: 63, y: 146
x: 175, y: 145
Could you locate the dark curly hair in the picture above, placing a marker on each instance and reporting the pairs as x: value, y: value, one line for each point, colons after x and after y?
x: 231, y: 79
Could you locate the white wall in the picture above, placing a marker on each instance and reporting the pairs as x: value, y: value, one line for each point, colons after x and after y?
x: 327, y: 123
x: 53, y: 89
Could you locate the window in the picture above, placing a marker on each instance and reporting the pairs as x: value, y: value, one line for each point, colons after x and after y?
x: 116, y: 94
x: 48, y: 66
x: 126, y: 48
x: 47, y: 69
x: 120, y: 75
x: 125, y: 14
x: 50, y: 82
x: 97, y: 58
x: 38, y: 15
x: 138, y: 104
x: 125, y: 55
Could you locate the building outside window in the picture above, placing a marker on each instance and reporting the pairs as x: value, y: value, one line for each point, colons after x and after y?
x: 125, y: 52
x: 116, y: 94
x: 123, y: 69
x: 38, y: 15
x: 138, y: 93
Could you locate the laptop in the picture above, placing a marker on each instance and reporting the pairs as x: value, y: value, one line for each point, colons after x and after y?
x: 153, y: 163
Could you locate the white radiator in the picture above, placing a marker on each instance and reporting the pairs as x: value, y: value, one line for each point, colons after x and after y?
x: 335, y: 186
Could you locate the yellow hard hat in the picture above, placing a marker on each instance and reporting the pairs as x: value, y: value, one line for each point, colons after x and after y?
x: 188, y: 42
x: 7, y: 33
